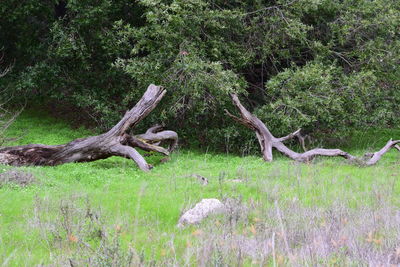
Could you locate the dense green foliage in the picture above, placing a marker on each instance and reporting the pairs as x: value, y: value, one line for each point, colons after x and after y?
x: 324, y: 65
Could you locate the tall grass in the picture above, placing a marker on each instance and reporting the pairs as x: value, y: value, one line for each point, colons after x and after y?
x: 109, y: 213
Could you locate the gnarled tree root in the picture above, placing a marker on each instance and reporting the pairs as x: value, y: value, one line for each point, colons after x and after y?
x: 268, y: 141
x: 115, y: 142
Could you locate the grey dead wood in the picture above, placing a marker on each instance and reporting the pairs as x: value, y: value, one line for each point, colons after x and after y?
x: 201, y: 179
x: 397, y: 147
x: 267, y: 141
x: 115, y: 142
x: 4, y: 71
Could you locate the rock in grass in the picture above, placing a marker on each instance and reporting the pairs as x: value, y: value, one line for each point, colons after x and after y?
x: 202, y: 210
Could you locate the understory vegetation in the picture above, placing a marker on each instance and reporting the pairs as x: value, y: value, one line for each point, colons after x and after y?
x: 327, y: 66
x: 71, y: 194
x: 110, y: 213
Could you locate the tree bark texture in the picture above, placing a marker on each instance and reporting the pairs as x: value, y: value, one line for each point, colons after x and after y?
x: 268, y: 141
x: 115, y: 142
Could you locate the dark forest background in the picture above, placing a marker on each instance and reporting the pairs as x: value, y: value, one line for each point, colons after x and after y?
x: 327, y: 66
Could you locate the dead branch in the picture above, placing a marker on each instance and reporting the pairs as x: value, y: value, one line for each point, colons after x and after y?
x: 268, y: 141
x: 115, y: 142
x: 397, y: 147
x: 6, y: 69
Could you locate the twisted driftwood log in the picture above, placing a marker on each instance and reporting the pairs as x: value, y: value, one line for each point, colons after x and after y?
x: 115, y: 142
x: 268, y: 141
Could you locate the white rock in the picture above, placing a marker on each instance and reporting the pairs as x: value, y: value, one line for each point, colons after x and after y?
x: 202, y: 210
x: 235, y: 180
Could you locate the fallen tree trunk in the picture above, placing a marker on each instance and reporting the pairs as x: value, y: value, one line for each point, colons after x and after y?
x: 268, y: 141
x: 115, y: 142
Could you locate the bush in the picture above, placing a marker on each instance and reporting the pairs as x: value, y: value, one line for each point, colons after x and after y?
x: 325, y: 66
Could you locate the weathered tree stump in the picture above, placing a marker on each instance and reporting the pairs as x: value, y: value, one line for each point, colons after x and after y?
x: 115, y: 142
x: 268, y: 141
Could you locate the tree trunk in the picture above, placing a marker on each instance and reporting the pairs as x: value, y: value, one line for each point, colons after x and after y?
x: 268, y: 141
x: 115, y: 142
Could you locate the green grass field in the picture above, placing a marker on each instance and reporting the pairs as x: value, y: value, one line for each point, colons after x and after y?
x: 109, y: 213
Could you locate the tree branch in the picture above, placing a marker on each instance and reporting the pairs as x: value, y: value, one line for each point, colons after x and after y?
x: 146, y: 104
x: 115, y: 142
x: 377, y: 155
x: 289, y: 136
x: 131, y: 153
x: 397, y: 147
x: 153, y: 137
x: 140, y: 143
x: 268, y: 141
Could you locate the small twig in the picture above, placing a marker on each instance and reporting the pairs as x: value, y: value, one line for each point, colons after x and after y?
x: 290, y: 136
x: 269, y: 8
x: 203, y: 180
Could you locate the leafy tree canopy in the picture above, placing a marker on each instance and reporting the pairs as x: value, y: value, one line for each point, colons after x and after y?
x: 327, y: 66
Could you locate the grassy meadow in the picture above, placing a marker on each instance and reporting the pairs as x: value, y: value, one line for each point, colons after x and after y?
x: 109, y: 213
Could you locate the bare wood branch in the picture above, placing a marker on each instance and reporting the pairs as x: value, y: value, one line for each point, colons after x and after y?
x: 268, y: 141
x: 265, y: 138
x: 378, y: 155
x: 154, y: 129
x: 6, y: 69
x: 140, y: 143
x: 131, y: 153
x: 146, y: 104
x: 153, y: 137
x: 289, y: 136
x: 244, y: 122
x: 115, y: 142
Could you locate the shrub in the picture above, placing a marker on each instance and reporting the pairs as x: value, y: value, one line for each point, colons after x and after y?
x: 326, y: 66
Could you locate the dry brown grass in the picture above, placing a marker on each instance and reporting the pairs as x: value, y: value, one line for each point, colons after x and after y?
x: 282, y: 233
x: 288, y: 234
x: 16, y: 177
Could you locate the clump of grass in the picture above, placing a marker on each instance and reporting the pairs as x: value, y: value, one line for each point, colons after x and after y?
x: 17, y: 177
x: 79, y: 229
x: 251, y: 233
x: 327, y: 213
x: 288, y: 234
